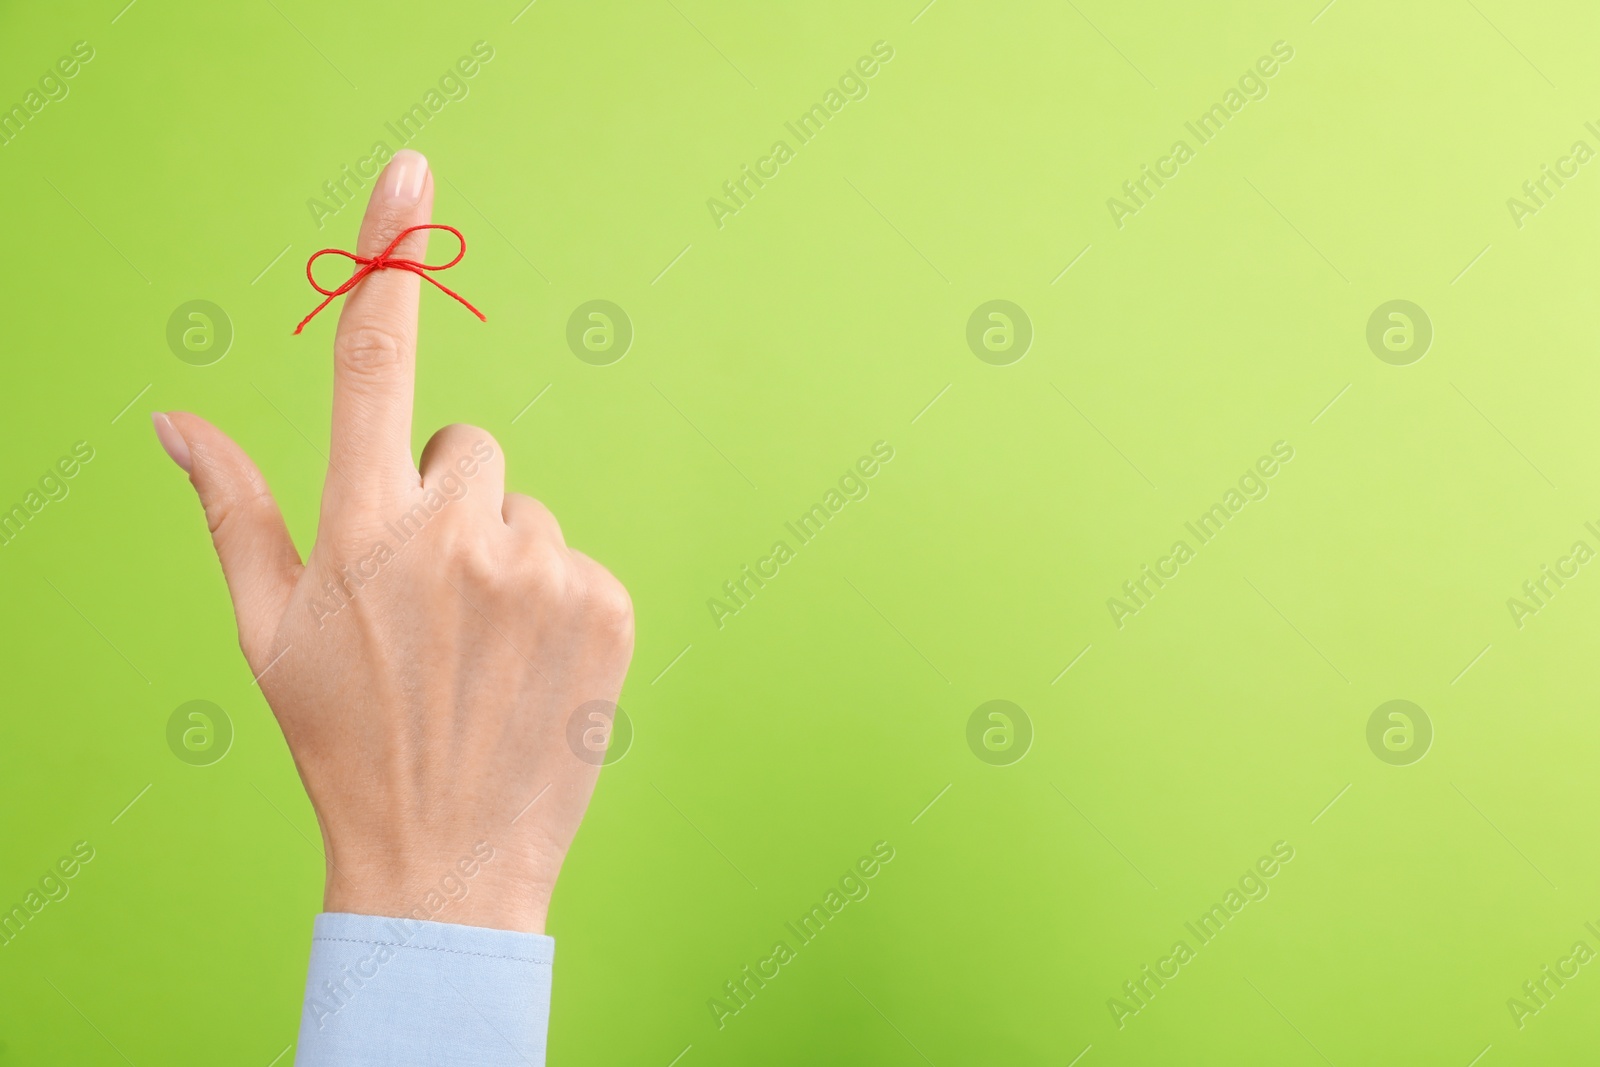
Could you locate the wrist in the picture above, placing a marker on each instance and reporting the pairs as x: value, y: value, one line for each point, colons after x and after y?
x: 482, y: 886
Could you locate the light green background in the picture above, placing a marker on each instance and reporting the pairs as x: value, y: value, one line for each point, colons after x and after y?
x: 826, y: 316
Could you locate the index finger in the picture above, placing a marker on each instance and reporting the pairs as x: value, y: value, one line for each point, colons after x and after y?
x: 375, y: 347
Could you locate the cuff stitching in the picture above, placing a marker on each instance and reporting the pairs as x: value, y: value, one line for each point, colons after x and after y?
x: 431, y: 948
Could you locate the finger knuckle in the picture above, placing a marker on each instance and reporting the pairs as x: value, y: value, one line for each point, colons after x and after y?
x: 224, y: 514
x: 480, y: 568
x: 461, y: 436
x: 370, y: 351
x: 386, y: 222
x: 449, y: 542
x: 547, y: 570
x: 458, y: 451
x: 536, y: 521
x: 608, y: 607
x: 472, y: 567
x: 475, y: 439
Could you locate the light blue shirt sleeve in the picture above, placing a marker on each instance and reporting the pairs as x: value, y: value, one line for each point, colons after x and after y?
x: 400, y: 992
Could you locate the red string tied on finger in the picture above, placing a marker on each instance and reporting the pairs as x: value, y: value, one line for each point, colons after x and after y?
x: 387, y: 260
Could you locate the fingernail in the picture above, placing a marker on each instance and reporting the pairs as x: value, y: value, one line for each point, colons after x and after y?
x: 171, y: 440
x: 401, y: 184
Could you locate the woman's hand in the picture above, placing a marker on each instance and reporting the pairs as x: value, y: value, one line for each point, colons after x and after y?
x: 427, y: 659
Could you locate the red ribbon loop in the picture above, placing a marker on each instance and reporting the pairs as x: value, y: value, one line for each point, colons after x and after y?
x: 386, y: 260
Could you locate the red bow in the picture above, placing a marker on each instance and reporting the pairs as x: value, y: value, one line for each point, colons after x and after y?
x: 383, y: 261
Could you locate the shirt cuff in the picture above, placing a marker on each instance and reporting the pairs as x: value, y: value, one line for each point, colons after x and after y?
x: 387, y: 992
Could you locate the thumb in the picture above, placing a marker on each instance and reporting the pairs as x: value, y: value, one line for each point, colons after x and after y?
x: 258, y: 558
